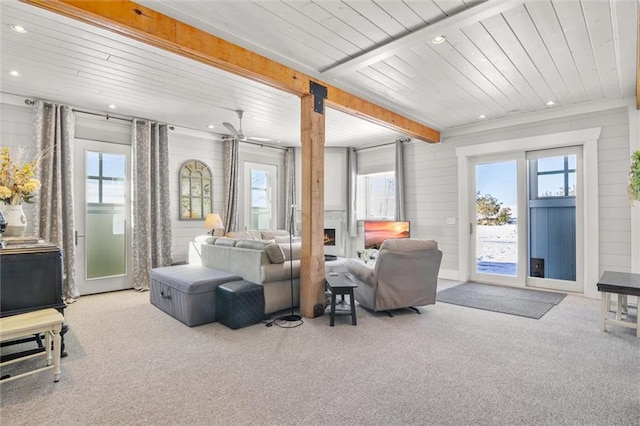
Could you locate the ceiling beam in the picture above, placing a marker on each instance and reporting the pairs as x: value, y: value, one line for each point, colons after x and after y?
x: 461, y: 19
x: 146, y: 25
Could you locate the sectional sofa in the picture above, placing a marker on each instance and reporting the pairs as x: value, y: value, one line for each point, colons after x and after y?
x: 271, y: 262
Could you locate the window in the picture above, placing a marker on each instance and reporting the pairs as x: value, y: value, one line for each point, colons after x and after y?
x: 196, y: 197
x: 105, y: 178
x: 554, y: 177
x: 260, y: 196
x: 377, y: 196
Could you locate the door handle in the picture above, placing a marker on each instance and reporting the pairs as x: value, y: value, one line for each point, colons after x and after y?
x: 76, y: 236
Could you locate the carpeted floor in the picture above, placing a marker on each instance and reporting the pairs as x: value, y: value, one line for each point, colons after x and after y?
x: 507, y: 300
x: 131, y: 364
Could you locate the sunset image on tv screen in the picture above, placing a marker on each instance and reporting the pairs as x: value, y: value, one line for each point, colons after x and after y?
x: 375, y: 232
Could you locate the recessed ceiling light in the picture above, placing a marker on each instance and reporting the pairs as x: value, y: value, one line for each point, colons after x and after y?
x: 19, y: 28
x: 550, y: 103
x: 211, y: 126
x: 482, y: 116
x: 14, y: 73
x: 112, y: 106
x: 439, y: 39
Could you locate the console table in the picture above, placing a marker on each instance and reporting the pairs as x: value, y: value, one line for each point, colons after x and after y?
x: 620, y: 283
x: 30, y: 280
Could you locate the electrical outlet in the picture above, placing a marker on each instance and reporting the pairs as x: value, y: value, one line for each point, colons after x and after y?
x: 451, y: 221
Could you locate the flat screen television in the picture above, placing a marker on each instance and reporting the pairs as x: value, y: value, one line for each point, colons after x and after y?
x: 376, y: 231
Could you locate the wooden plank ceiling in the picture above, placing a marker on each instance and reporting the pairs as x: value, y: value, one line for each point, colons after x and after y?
x: 513, y: 58
x: 499, y: 59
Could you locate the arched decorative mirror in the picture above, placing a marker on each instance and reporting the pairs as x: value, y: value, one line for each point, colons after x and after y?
x: 196, y: 190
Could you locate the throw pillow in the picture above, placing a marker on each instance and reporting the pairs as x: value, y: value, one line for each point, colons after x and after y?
x: 251, y: 244
x: 291, y: 252
x: 274, y: 253
x: 225, y: 242
x: 240, y: 234
x: 271, y: 235
x: 285, y: 240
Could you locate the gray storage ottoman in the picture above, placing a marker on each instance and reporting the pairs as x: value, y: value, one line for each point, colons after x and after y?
x: 239, y: 304
x: 187, y: 292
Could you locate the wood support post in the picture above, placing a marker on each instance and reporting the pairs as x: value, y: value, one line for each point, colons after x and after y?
x: 312, y: 256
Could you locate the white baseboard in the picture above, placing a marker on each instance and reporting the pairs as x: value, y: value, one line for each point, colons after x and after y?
x: 448, y: 274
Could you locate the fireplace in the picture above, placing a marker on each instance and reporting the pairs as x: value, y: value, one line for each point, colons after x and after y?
x: 333, y: 237
x: 329, y: 236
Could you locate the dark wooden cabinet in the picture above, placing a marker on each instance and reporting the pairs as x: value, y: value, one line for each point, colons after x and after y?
x: 30, y: 279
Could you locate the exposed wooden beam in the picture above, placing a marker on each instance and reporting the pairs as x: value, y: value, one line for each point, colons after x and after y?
x: 312, y: 255
x: 138, y: 22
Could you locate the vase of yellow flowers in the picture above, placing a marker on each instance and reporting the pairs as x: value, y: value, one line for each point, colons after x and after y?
x: 17, y: 185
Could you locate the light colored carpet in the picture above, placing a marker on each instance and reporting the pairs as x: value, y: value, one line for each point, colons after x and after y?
x: 130, y: 363
x: 507, y: 300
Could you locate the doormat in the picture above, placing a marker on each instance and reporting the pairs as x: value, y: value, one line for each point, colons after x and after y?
x: 507, y: 300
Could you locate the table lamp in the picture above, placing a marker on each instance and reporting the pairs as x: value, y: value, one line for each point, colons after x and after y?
x: 214, y: 222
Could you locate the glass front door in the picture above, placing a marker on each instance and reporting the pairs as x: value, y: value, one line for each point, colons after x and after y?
x: 103, y: 209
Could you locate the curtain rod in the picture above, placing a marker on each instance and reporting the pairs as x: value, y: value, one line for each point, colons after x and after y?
x: 263, y: 145
x: 403, y: 140
x: 105, y: 115
x: 171, y: 126
x: 98, y: 114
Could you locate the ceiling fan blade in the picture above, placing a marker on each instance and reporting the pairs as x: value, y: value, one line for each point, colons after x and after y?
x: 231, y: 128
x: 259, y: 139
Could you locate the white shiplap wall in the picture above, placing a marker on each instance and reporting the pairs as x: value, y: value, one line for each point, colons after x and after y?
x: 431, y: 196
x: 16, y: 131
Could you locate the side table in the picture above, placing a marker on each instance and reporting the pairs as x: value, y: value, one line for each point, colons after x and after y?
x: 340, y: 283
x: 621, y: 283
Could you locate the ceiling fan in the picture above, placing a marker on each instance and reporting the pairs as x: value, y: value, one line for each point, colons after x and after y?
x: 238, y: 134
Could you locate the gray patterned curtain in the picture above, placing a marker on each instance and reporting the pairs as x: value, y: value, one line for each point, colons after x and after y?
x: 151, y: 198
x: 289, y: 188
x: 231, y: 148
x: 399, y: 180
x: 353, y: 181
x: 54, y: 131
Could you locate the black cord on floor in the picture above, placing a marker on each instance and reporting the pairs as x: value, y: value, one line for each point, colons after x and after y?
x: 280, y: 321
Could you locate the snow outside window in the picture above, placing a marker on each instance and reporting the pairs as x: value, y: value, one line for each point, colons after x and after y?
x: 377, y: 196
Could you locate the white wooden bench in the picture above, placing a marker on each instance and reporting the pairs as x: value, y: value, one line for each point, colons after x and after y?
x: 46, y: 321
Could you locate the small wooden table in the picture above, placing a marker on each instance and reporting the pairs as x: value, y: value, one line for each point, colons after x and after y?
x: 620, y: 283
x: 340, y: 283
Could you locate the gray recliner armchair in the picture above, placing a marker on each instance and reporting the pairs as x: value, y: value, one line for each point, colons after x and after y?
x: 405, y: 275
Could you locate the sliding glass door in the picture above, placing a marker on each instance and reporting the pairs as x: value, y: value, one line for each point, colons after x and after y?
x: 555, y: 216
x: 525, y: 219
x: 497, y: 250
